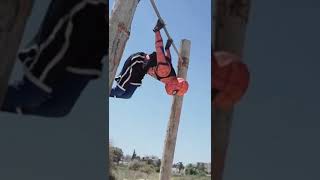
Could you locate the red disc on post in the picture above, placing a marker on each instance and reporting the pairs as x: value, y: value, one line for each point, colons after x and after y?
x: 230, y: 79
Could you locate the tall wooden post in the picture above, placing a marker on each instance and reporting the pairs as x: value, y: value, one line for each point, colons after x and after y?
x: 172, y: 130
x: 119, y: 32
x: 13, y: 14
x: 230, y: 21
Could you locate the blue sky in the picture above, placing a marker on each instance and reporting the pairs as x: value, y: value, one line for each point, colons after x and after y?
x: 140, y: 122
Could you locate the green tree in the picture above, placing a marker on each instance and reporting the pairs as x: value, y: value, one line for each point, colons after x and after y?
x: 201, y: 167
x: 135, y: 165
x: 111, y: 164
x: 116, y: 154
x: 148, y: 169
x: 180, y: 166
x: 191, y: 170
x: 158, y: 163
x: 134, y: 155
x: 150, y: 162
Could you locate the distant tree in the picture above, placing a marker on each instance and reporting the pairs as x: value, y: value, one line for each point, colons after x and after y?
x: 135, y: 165
x: 148, y: 169
x: 116, y: 154
x: 174, y: 165
x: 111, y: 177
x: 201, y: 167
x: 157, y: 169
x: 111, y: 164
x: 189, y: 166
x: 191, y: 170
x: 158, y: 163
x: 127, y: 158
x: 201, y: 173
x: 180, y: 166
x: 134, y: 155
x: 150, y: 162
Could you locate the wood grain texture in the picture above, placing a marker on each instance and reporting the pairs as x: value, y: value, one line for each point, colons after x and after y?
x: 174, y: 120
x: 119, y: 32
x: 230, y: 20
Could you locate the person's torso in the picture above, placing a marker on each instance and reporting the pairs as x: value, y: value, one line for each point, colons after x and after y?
x: 134, y: 68
x: 152, y: 66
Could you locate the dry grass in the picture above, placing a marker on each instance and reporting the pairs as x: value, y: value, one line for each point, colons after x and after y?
x: 123, y: 173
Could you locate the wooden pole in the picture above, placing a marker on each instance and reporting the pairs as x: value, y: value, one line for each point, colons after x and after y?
x: 231, y: 17
x: 119, y: 32
x: 172, y: 130
x: 14, y: 15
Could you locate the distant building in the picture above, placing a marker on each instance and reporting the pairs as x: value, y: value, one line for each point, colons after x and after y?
x: 175, y: 171
x: 178, y: 168
x: 204, y: 166
x: 127, y: 158
x: 208, y: 168
x: 151, y: 160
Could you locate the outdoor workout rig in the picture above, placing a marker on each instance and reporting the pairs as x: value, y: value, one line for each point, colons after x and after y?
x: 119, y: 32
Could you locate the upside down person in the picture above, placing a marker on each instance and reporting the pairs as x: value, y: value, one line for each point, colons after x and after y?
x: 62, y: 59
x: 230, y: 79
x: 157, y: 64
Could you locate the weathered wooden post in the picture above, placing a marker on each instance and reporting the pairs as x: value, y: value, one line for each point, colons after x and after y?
x: 13, y: 15
x: 172, y: 129
x: 231, y: 17
x: 119, y: 32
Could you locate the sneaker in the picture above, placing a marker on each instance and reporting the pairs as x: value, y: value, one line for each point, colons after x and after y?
x: 160, y: 24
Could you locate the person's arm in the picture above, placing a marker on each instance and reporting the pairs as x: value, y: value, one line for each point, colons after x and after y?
x: 159, y: 47
x: 167, y: 48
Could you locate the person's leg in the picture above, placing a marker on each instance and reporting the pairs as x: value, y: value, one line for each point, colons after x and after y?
x: 163, y: 67
x: 63, y: 98
x: 129, y: 92
x: 159, y: 48
x: 23, y: 94
x: 119, y: 93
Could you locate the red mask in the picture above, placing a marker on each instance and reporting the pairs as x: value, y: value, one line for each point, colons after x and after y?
x: 177, y: 86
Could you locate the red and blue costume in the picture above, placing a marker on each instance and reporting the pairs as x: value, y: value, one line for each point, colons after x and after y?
x: 157, y: 64
x: 65, y: 55
x: 230, y: 79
